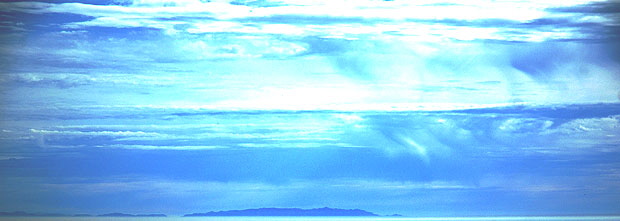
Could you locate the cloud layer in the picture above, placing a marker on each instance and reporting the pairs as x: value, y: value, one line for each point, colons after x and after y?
x: 374, y: 54
x: 430, y: 108
x: 428, y: 20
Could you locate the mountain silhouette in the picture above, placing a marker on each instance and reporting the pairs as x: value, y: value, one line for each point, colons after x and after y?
x: 288, y: 212
x: 130, y: 215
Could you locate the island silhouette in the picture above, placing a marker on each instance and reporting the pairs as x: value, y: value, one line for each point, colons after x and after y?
x: 325, y: 211
x: 27, y: 214
x: 130, y: 215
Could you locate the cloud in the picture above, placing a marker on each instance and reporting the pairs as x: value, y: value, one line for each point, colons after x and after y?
x: 525, y: 125
x: 403, y: 161
x: 434, y: 137
x: 44, y: 80
x: 32, y: 7
x: 429, y: 135
x: 230, y: 129
x: 374, y: 61
x: 160, y: 147
x: 96, y: 133
x: 542, y: 61
x: 600, y: 7
x: 487, y: 20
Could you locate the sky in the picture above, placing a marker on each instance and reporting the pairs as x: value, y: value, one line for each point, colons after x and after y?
x: 421, y: 108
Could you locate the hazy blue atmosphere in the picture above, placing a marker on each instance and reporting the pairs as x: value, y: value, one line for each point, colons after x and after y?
x: 421, y: 108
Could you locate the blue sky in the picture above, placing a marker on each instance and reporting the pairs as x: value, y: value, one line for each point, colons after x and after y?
x: 430, y: 108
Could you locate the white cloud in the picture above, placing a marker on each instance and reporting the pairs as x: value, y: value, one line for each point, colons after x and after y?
x: 577, y: 136
x: 95, y: 133
x: 377, y: 17
x: 239, y: 47
x: 184, y: 188
x: 395, y: 65
x: 525, y: 125
x: 602, y: 126
x: 230, y: 130
x: 161, y: 147
x: 586, y: 135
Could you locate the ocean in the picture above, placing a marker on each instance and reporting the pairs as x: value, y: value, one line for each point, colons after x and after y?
x: 268, y: 218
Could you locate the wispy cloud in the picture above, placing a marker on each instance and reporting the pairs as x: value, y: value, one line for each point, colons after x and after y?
x: 159, y: 147
x: 430, y: 135
x: 227, y: 129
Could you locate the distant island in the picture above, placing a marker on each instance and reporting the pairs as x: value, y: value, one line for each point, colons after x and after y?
x: 131, y: 215
x: 288, y: 212
x: 325, y: 211
x: 26, y: 214
x: 22, y: 213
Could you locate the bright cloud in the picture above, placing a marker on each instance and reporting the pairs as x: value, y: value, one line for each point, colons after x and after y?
x: 493, y: 20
